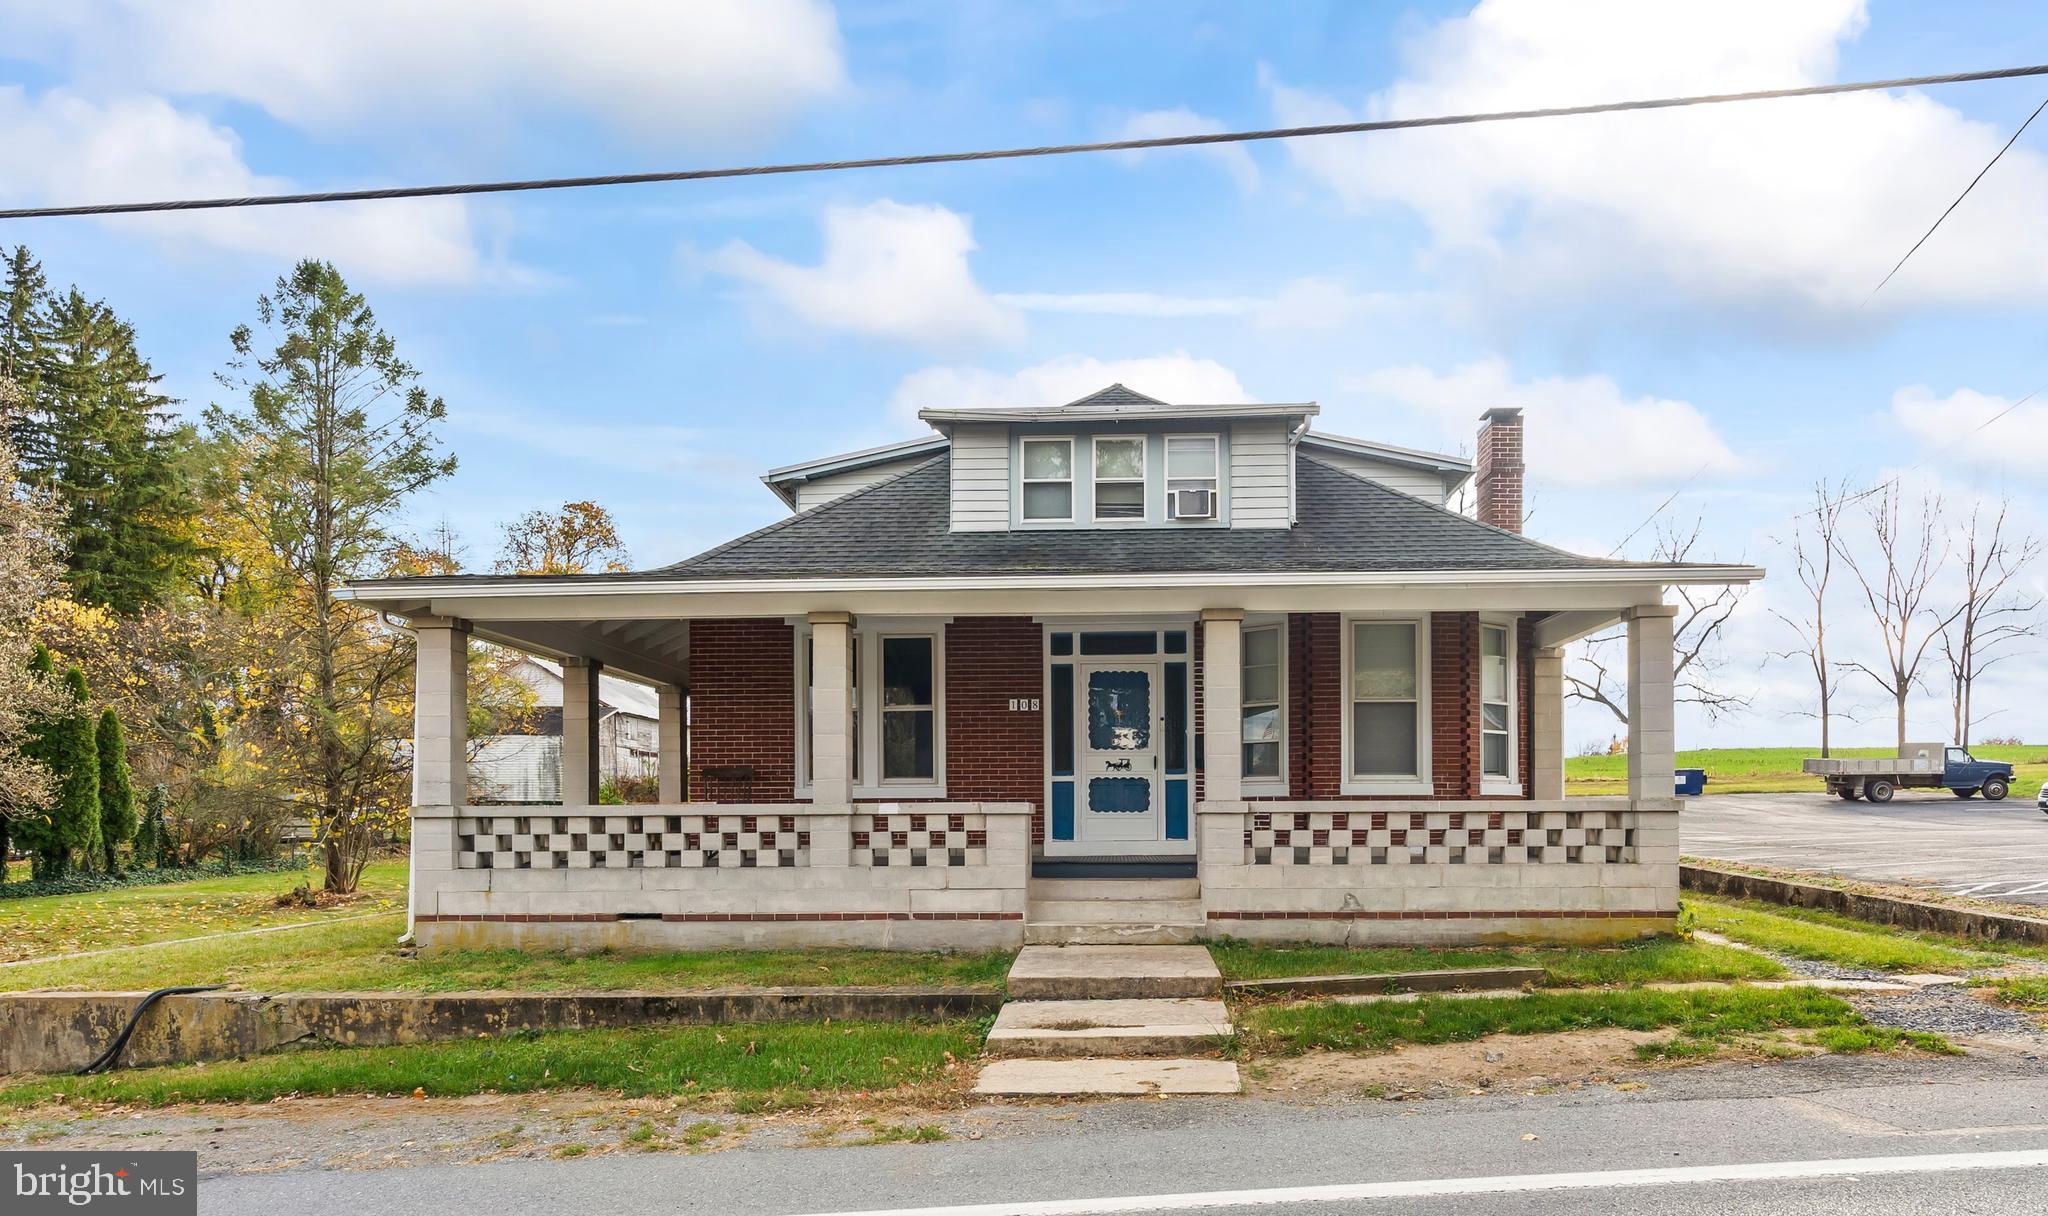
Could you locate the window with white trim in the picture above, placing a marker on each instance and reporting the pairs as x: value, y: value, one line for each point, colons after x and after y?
x: 1265, y: 730
x: 1191, y: 464
x: 852, y: 705
x: 1119, y: 478
x: 1496, y: 714
x: 1048, y: 480
x: 909, y: 708
x: 1386, y: 701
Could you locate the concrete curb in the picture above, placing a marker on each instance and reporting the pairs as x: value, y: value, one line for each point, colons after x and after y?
x: 1879, y: 909
x: 63, y: 1031
x: 1462, y: 980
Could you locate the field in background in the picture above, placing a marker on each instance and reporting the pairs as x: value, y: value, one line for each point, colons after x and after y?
x: 1775, y: 770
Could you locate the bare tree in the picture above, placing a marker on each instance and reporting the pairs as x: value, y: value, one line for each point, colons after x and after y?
x: 1695, y: 655
x: 1993, y: 615
x: 1897, y: 580
x: 1813, y: 557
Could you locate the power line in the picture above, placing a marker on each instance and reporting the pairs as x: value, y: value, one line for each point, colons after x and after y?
x: 1959, y: 199
x: 1616, y: 551
x: 945, y: 158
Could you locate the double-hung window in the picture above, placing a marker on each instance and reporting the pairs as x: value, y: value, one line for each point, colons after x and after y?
x: 1048, y: 480
x: 1264, y: 724
x: 1496, y: 717
x: 1191, y: 463
x: 1119, y: 478
x: 1386, y: 701
x: 909, y: 708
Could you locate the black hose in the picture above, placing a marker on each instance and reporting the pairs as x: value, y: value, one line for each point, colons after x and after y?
x: 108, y: 1056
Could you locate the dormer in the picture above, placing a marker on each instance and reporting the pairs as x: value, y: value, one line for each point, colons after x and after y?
x: 1118, y: 459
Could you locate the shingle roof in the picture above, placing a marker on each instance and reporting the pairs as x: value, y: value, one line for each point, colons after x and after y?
x: 1117, y: 394
x: 900, y: 527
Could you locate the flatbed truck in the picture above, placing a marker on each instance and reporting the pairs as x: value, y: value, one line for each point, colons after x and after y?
x: 1917, y: 766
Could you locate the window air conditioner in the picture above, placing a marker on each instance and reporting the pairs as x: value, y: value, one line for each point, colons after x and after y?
x: 1194, y: 504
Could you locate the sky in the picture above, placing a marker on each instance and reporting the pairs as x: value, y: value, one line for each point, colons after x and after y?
x: 1680, y: 301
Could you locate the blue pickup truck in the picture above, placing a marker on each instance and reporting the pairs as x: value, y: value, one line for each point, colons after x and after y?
x: 1918, y: 766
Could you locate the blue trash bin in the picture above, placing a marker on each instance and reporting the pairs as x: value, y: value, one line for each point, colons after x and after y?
x: 1691, y: 782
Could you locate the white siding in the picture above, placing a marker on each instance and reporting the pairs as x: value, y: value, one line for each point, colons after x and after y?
x: 981, y: 478
x: 819, y: 491
x: 1408, y: 479
x: 1260, y: 475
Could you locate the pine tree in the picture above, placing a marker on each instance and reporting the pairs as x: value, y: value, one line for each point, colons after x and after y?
x: 117, y: 788
x: 95, y: 435
x: 23, y: 299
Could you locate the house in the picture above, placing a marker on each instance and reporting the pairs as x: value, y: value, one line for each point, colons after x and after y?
x: 1114, y: 670
x: 525, y: 767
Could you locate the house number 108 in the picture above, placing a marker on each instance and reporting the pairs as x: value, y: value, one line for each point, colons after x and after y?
x: 1024, y: 704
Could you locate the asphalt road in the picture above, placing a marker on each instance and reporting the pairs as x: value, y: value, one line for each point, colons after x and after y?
x: 1993, y: 850
x: 1694, y: 1144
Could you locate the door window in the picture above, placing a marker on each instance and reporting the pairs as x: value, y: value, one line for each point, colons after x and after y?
x: 1119, y: 711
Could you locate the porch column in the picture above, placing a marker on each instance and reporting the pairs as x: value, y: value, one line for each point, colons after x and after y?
x: 832, y: 743
x: 1652, y: 734
x: 580, y: 715
x: 673, y: 766
x: 440, y: 758
x: 1546, y: 723
x: 1222, y: 704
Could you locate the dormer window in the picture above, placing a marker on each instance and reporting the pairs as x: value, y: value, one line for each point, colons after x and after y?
x: 1119, y: 478
x: 1048, y: 480
x: 1191, y: 462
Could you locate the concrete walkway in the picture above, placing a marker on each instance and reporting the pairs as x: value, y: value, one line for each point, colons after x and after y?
x: 1110, y: 1020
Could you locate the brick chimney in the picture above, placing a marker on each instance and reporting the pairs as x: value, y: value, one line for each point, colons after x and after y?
x: 1499, y: 476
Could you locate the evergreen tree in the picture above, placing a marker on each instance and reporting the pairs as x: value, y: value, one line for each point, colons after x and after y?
x: 78, y: 773
x: 35, y: 829
x: 153, y: 834
x: 95, y: 435
x: 117, y: 788
x: 23, y: 299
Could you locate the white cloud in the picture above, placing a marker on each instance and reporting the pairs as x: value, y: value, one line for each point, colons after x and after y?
x: 1159, y: 124
x: 889, y: 271
x: 1306, y: 303
x: 1803, y: 203
x: 1581, y: 431
x: 662, y: 72
x: 1177, y: 377
x: 1976, y: 429
x: 64, y: 148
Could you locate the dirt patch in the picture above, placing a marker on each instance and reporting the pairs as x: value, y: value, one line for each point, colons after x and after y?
x: 1509, y: 1063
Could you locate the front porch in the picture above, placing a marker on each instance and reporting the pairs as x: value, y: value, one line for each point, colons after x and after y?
x: 887, y: 774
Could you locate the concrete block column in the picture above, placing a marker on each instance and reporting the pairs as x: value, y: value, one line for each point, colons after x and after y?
x: 440, y: 750
x: 1652, y: 731
x: 832, y: 741
x: 673, y: 762
x: 1222, y: 704
x: 1546, y: 723
x: 580, y: 715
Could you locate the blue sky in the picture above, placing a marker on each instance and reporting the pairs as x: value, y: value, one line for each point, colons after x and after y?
x: 1676, y: 299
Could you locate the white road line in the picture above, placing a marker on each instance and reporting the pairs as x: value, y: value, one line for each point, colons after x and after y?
x: 1595, y: 1180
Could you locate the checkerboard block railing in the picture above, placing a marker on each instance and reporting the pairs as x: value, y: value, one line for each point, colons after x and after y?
x: 914, y: 838
x: 1363, y: 836
x: 532, y: 839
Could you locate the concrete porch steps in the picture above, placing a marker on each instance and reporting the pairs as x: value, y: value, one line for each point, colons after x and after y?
x: 1098, y: 933
x: 1076, y: 1015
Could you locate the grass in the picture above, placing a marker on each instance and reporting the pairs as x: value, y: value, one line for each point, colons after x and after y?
x: 1829, y: 938
x: 1660, y: 960
x: 127, y: 916
x: 1775, y: 770
x: 2028, y: 992
x: 748, y: 1067
x: 1701, y: 1018
x: 363, y: 956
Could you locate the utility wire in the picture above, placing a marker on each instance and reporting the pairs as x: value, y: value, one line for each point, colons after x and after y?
x: 1647, y: 520
x: 945, y: 158
x: 1959, y: 202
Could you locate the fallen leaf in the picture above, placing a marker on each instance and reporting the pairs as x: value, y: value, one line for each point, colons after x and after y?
x: 419, y: 1091
x: 1529, y: 1136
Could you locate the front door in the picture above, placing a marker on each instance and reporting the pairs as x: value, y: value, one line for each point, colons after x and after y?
x: 1122, y: 723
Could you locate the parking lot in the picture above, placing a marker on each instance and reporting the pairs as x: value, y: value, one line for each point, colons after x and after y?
x: 1990, y: 850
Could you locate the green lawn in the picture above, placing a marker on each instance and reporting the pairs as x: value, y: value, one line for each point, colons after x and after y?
x: 746, y: 1066
x: 1827, y: 937
x: 1771, y: 770
x: 1661, y: 960
x: 126, y: 916
x: 1701, y: 1019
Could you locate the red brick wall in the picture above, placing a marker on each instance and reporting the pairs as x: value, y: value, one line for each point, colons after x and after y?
x: 743, y: 709
x: 1525, y: 704
x: 995, y: 753
x: 1315, y: 705
x: 1454, y: 698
